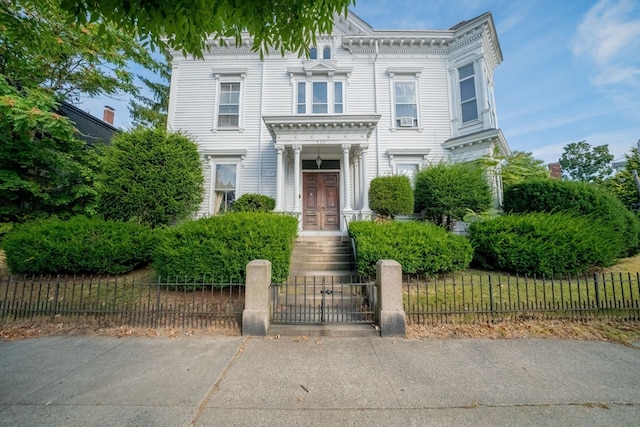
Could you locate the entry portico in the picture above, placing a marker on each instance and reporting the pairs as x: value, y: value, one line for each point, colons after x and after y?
x: 321, y: 168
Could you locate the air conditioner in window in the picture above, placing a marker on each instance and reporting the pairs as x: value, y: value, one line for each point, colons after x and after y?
x: 406, y: 121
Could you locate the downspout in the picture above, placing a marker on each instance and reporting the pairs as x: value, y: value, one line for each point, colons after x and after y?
x: 260, y: 131
x: 375, y: 103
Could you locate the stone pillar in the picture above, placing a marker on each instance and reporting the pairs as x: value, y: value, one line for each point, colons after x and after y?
x: 390, y: 308
x: 255, y: 316
x: 297, y: 167
x: 279, y: 178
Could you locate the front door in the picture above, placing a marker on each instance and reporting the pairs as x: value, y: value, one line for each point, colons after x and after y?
x: 321, y: 201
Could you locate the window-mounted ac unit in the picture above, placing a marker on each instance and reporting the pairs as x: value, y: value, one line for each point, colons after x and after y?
x: 406, y: 121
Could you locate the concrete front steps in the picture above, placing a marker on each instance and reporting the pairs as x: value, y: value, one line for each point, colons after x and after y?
x: 318, y: 258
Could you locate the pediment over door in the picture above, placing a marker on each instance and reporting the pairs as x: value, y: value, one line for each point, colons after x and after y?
x: 327, y: 129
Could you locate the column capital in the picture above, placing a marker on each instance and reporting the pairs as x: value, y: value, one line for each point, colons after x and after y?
x: 297, y: 148
x: 346, y: 147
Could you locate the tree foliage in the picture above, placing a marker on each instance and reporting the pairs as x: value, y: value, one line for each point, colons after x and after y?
x: 623, y: 184
x: 581, y: 162
x: 286, y: 25
x: 520, y: 166
x: 44, y: 169
x: 38, y: 48
x: 447, y: 192
x: 151, y: 110
x: 150, y: 177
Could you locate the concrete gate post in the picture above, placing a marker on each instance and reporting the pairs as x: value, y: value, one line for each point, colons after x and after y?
x: 390, y: 308
x: 255, y: 316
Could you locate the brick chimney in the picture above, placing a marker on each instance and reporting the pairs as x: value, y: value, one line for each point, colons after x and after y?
x: 555, y: 169
x: 108, y: 114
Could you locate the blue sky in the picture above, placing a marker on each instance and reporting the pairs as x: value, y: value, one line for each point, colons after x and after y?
x: 571, y: 68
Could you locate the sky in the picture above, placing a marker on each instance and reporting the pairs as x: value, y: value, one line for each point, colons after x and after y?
x: 570, y: 70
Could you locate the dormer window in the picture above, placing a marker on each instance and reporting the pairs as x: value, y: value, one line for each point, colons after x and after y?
x: 313, y: 53
x: 326, y: 53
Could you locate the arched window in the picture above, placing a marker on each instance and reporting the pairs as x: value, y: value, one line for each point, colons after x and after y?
x: 326, y: 53
x: 313, y: 53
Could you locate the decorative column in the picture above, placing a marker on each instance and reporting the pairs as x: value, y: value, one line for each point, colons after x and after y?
x: 346, y: 182
x: 279, y: 178
x: 296, y: 177
x: 357, y: 196
x: 365, y: 181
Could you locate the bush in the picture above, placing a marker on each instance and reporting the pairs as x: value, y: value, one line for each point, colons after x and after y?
x: 254, y: 203
x: 447, y: 192
x: 150, y: 177
x: 220, y: 247
x: 391, y: 195
x: 545, y: 244
x: 580, y: 198
x: 418, y: 246
x: 77, y: 246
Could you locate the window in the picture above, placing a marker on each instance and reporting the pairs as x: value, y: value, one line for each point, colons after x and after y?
x: 320, y: 104
x: 225, y: 186
x: 320, y: 97
x: 313, y: 53
x: 326, y: 53
x: 409, y: 170
x: 302, y: 98
x: 229, y: 105
x: 406, y: 109
x: 468, y: 100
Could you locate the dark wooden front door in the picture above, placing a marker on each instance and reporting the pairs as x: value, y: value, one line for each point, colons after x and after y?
x: 321, y: 201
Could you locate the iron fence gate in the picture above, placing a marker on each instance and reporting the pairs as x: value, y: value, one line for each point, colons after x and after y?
x: 324, y: 299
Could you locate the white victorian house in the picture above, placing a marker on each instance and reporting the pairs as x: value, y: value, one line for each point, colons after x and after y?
x: 312, y: 133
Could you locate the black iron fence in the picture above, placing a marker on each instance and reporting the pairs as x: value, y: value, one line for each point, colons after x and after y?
x: 118, y: 301
x: 492, y: 298
x: 322, y: 300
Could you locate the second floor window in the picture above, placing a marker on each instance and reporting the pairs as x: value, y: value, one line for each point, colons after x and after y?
x: 468, y: 102
x: 229, y: 105
x: 406, y: 104
x: 320, y: 97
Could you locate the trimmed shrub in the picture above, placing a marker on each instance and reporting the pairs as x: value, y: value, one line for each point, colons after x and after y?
x: 251, y: 202
x: 544, y: 244
x: 580, y: 198
x: 447, y: 192
x: 419, y: 247
x: 150, y: 177
x: 391, y: 195
x: 78, y: 246
x: 220, y: 247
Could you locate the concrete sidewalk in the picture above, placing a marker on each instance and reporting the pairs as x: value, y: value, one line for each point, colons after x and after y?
x: 228, y: 381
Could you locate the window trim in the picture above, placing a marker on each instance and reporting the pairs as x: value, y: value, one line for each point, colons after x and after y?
x: 407, y: 157
x: 223, y: 157
x: 308, y: 96
x: 223, y: 77
x: 475, y: 92
x: 404, y: 75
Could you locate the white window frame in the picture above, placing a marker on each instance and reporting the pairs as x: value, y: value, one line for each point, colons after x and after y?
x: 227, y: 77
x: 404, y: 75
x: 224, y: 158
x: 407, y: 157
x: 473, y: 99
x: 308, y: 96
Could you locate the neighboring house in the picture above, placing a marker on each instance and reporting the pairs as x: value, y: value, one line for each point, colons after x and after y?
x: 312, y: 133
x: 90, y: 129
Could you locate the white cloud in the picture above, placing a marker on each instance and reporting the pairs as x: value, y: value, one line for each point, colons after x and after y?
x: 607, y: 32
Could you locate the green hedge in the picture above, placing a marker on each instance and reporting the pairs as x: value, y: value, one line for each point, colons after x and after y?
x: 220, y: 247
x: 580, y: 198
x: 252, y: 202
x: 78, y: 246
x: 391, y: 195
x: 544, y: 244
x: 419, y: 247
